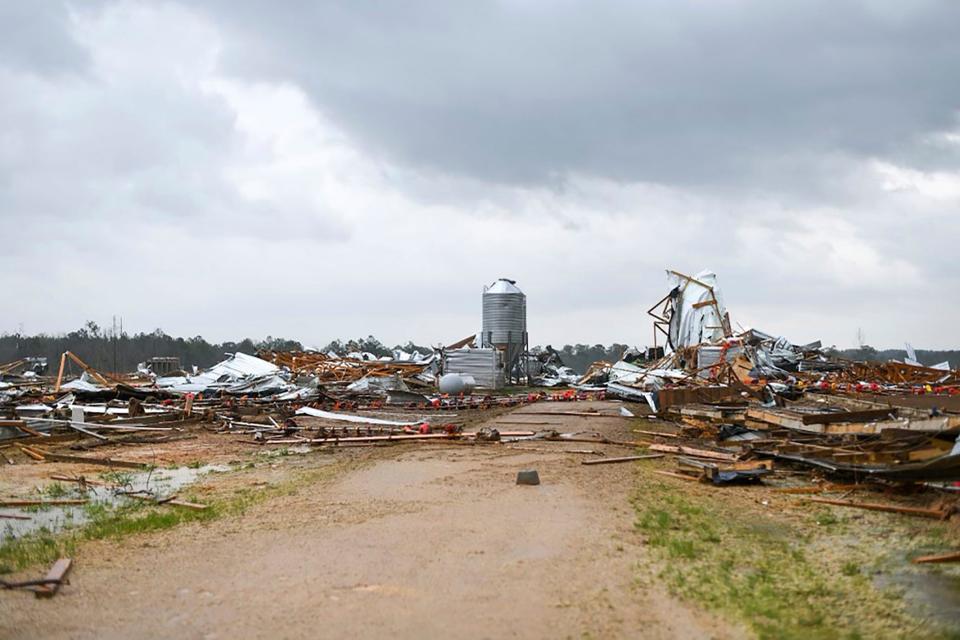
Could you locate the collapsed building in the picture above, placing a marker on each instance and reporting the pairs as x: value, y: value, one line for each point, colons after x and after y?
x: 777, y: 400
x: 789, y: 402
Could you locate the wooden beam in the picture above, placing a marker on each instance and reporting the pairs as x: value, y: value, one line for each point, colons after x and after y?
x: 63, y: 364
x: 623, y: 459
x: 824, y: 488
x: 889, y: 508
x: 867, y: 415
x: 31, y: 452
x: 55, y: 578
x: 40, y: 503
x: 953, y: 556
x: 173, y: 501
x: 658, y: 434
x: 106, y: 462
x: 32, y: 432
x: 679, y: 476
x: 690, y: 451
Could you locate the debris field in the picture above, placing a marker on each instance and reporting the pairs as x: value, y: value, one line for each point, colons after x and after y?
x: 707, y: 405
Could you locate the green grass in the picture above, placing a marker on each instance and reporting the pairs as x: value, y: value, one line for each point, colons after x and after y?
x: 825, y: 518
x: 56, y: 490
x: 759, y: 570
x: 138, y: 517
x: 119, y: 478
x: 42, y: 547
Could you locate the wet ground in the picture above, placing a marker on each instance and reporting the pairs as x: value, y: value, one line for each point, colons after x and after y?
x: 433, y: 539
x: 412, y: 541
x: 109, y: 490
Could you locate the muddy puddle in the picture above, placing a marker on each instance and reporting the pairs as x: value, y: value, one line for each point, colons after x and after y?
x: 931, y: 594
x: 52, y: 519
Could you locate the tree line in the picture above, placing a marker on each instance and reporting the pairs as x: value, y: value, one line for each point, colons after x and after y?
x: 114, y: 351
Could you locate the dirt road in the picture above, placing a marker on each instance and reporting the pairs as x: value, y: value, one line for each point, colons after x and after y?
x: 412, y: 542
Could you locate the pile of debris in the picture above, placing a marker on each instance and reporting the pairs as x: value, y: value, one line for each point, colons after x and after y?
x: 746, y: 400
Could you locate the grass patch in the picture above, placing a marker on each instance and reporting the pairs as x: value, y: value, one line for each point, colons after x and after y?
x: 760, y: 569
x: 41, y: 547
x: 825, y: 518
x: 119, y: 478
x: 56, y: 490
x: 139, y: 517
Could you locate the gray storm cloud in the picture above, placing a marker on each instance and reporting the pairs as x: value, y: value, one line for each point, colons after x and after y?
x: 750, y: 94
x: 366, y: 167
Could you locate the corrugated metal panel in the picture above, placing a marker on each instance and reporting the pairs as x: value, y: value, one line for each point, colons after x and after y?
x: 708, y: 355
x: 481, y: 364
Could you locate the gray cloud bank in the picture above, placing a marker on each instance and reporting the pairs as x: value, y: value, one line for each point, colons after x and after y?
x: 329, y: 169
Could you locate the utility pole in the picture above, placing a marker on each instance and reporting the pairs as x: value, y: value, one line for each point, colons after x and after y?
x: 114, y: 344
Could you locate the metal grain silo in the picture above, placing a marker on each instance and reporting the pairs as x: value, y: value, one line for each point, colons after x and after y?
x: 505, y: 324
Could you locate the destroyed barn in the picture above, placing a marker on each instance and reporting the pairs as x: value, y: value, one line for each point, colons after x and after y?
x: 727, y: 407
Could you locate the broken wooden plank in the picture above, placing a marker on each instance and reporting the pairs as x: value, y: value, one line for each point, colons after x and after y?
x: 32, y: 432
x: 748, y: 465
x: 659, y: 434
x: 889, y: 508
x: 824, y: 488
x: 777, y: 418
x: 55, y: 578
x: 679, y: 476
x: 580, y: 414
x: 623, y: 459
x: 106, y: 462
x: 14, y: 516
x: 691, y: 451
x: 76, y: 426
x: 39, y: 503
x: 173, y: 501
x: 953, y: 556
x: 867, y: 415
x: 77, y: 479
x: 30, y: 452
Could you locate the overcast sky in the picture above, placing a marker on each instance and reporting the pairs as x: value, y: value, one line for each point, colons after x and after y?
x: 318, y: 170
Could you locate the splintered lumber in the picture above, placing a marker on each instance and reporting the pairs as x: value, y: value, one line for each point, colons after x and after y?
x: 186, y: 504
x: 106, y: 462
x: 76, y: 426
x: 579, y: 414
x: 55, y: 578
x: 824, y: 488
x: 79, y: 479
x: 890, y: 508
x: 133, y: 427
x: 173, y: 501
x: 690, y: 451
x: 385, y: 438
x: 775, y: 418
x: 39, y: 503
x: 942, y: 557
x: 623, y: 459
x: 679, y: 476
x: 32, y: 432
x: 868, y: 415
x: 31, y: 452
x: 659, y: 434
